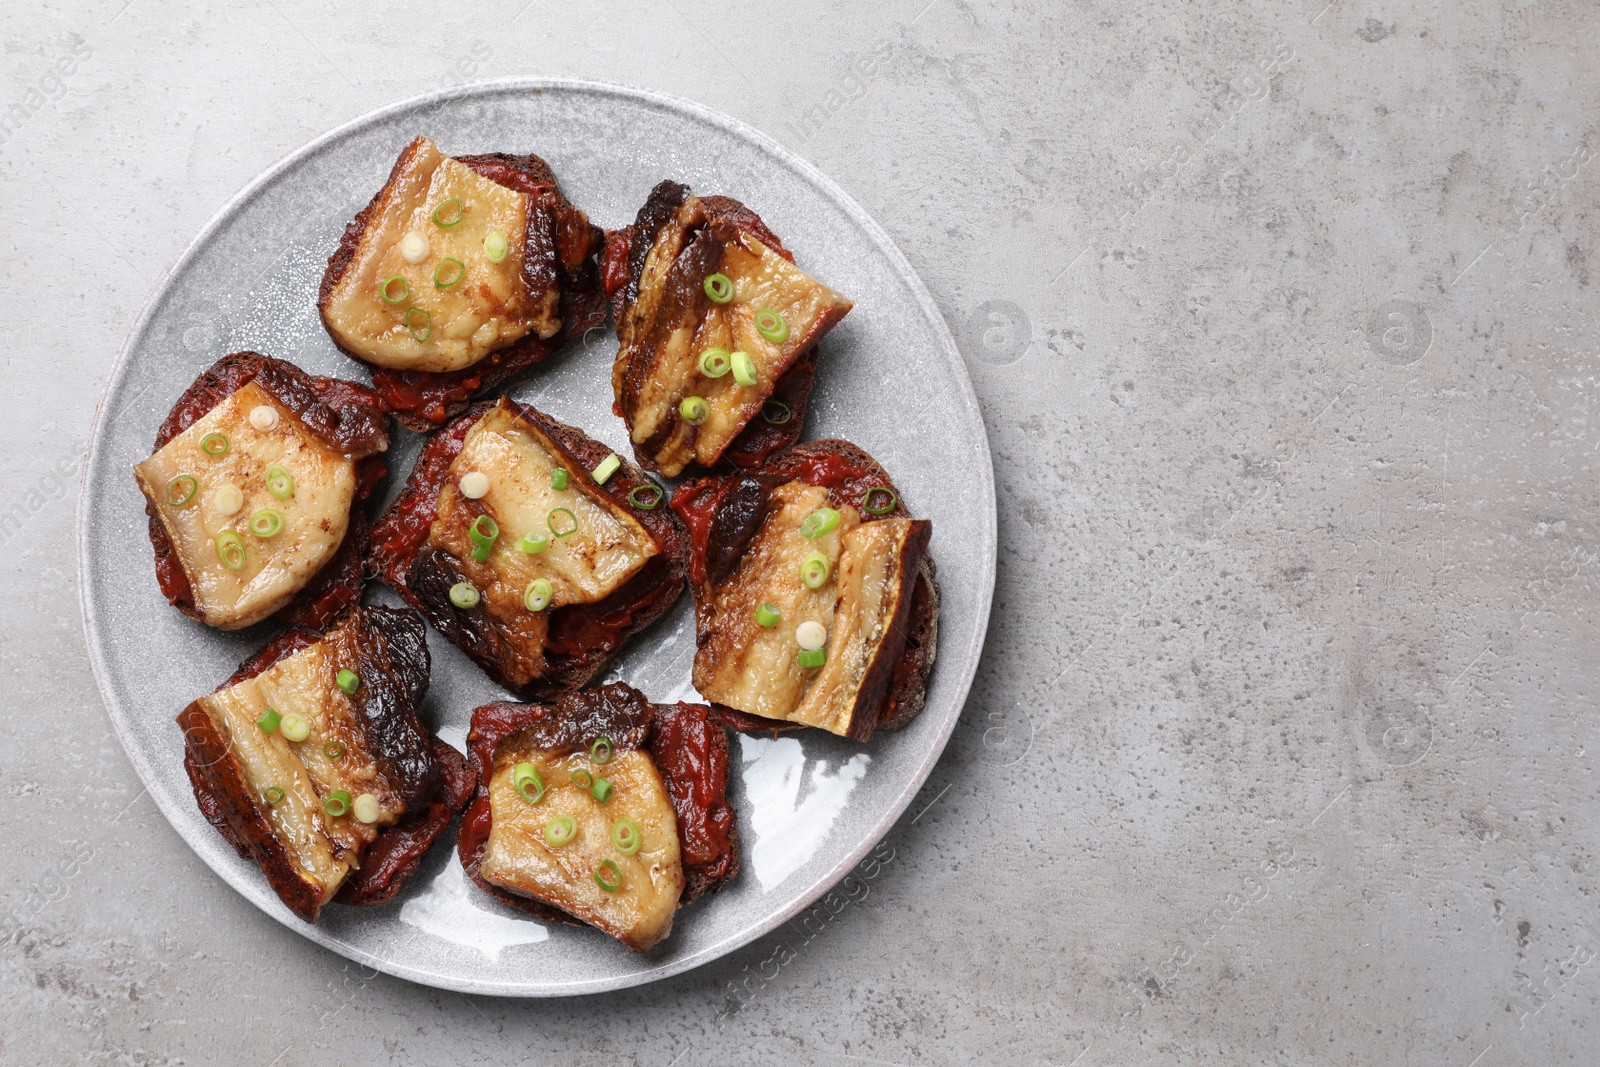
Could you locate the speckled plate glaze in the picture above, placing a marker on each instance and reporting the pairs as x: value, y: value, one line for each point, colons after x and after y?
x: 890, y: 379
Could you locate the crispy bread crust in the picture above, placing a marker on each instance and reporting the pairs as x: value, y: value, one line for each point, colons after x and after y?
x: 687, y: 745
x: 724, y: 512
x: 563, y: 251
x: 585, y: 637
x: 435, y: 780
x: 344, y: 415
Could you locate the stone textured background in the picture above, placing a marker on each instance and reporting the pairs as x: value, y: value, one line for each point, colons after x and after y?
x: 1283, y: 318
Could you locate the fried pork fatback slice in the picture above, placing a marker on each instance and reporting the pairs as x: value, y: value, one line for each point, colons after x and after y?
x: 607, y: 558
x: 868, y: 613
x: 312, y: 759
x: 662, y: 835
x: 254, y: 490
x: 665, y: 271
x: 459, y: 273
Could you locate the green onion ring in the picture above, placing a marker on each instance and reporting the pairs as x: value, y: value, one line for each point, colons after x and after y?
x: 819, y: 523
x: 560, y: 831
x: 582, y: 778
x: 608, y: 466
x: 551, y: 522
x: 714, y: 362
x: 268, y: 522
x: 601, y: 790
x: 273, y: 795
x: 333, y: 750
x: 719, y: 287
x: 461, y: 272
x: 558, y: 479
x: 495, y: 246
x: 349, y: 681
x: 693, y: 410
x: 812, y: 657
x: 881, y: 509
x: 483, y: 532
x: 528, y: 782
x: 464, y: 595
x: 600, y: 751
x: 280, y: 483
x: 214, y: 444
x: 269, y: 721
x: 744, y: 368
x: 814, y: 570
x: 537, y: 596
x: 182, y: 489
x: 419, y: 333
x: 772, y: 326
x: 646, y: 497
x: 230, y: 550
x: 336, y: 803
x: 767, y: 615
x: 625, y: 835
x: 776, y: 412
x: 386, y: 290
x: 533, y: 543
x: 615, y: 882
x: 295, y: 728
x: 449, y: 219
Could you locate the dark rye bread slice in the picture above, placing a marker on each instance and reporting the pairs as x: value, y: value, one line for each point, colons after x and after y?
x: 724, y: 513
x: 783, y: 415
x: 389, y: 652
x: 563, y: 255
x: 687, y: 745
x: 344, y: 415
x: 583, y: 637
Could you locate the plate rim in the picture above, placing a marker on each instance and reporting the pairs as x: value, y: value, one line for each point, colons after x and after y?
x: 95, y: 461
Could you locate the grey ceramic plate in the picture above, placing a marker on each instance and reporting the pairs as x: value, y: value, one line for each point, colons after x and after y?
x: 890, y: 379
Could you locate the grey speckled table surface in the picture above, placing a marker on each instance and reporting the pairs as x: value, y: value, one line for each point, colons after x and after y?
x: 1283, y: 320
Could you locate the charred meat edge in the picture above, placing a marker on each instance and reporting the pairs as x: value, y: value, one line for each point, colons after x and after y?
x: 688, y: 746
x: 400, y: 555
x: 736, y: 506
x: 433, y: 777
x: 563, y: 249
x: 343, y: 415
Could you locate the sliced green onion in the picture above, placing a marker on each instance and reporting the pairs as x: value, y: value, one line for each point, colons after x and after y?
x: 349, y: 681
x: 537, y: 596
x: 608, y: 466
x: 182, y: 489
x: 390, y: 294
x: 268, y: 522
x: 230, y: 550
x: 771, y: 325
x: 693, y: 409
x: 295, y: 728
x: 600, y: 751
x: 333, y: 750
x: 420, y: 322
x: 625, y: 835
x: 336, y: 803
x: 273, y: 795
x: 213, y: 444
x: 646, y: 497
x: 533, y: 543
x: 819, y: 523
x: 464, y: 595
x: 601, y: 790
x: 483, y: 532
x: 714, y: 362
x: 280, y: 483
x: 888, y: 505
x: 366, y: 809
x: 582, y: 779
x: 812, y: 657
x: 528, y: 782
x: 560, y: 831
x: 269, y: 721
x: 744, y: 368
x: 768, y: 615
x: 558, y: 479
x: 573, y: 519
x: 814, y: 570
x: 439, y: 272
x: 608, y: 876
x: 448, y: 214
x: 495, y: 246
x: 776, y: 412
x: 719, y: 287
